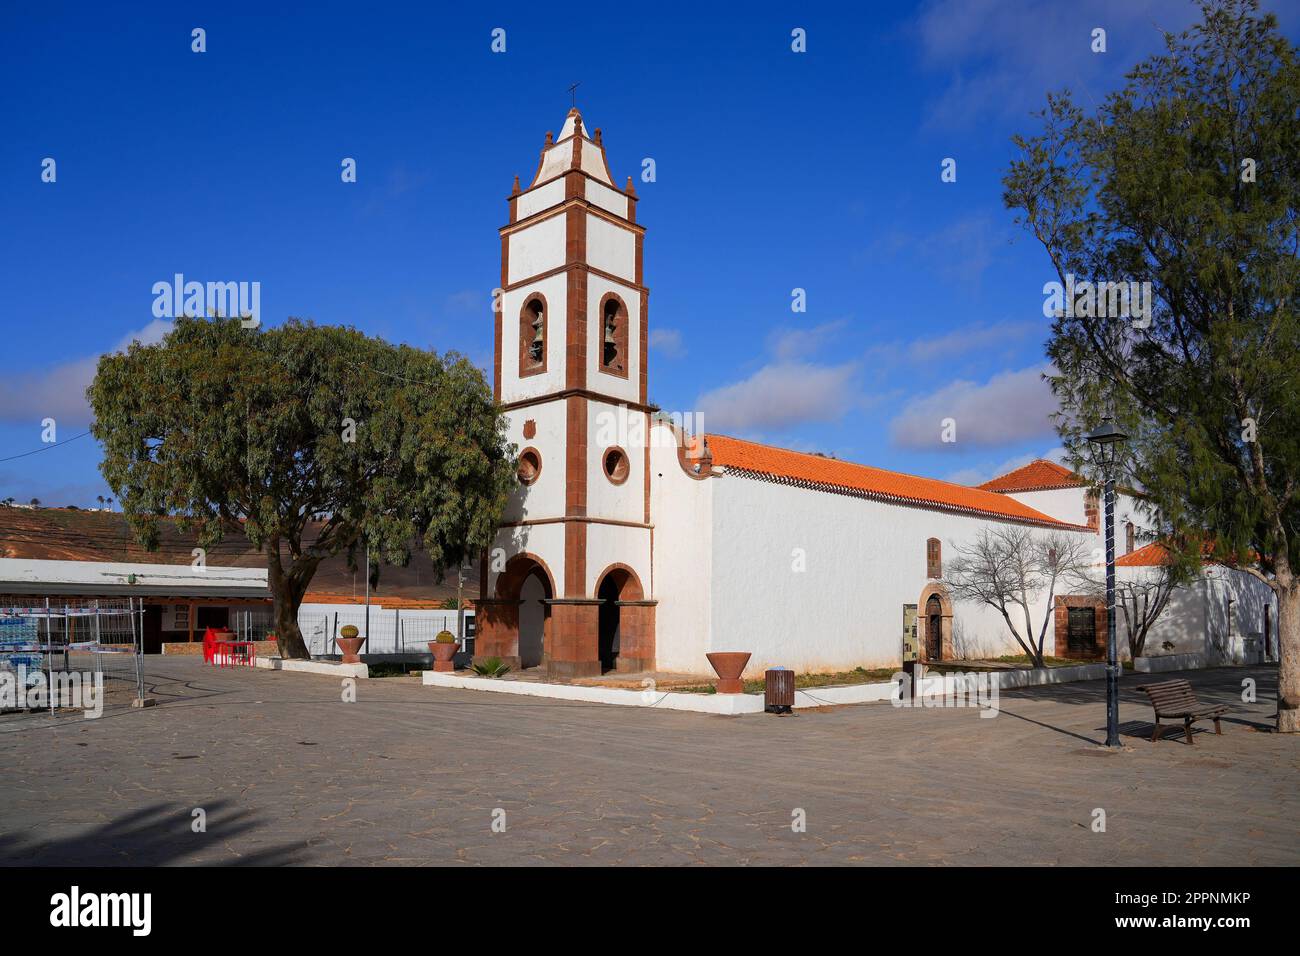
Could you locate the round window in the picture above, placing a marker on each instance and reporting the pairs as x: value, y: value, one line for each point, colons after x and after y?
x: 616, y: 465
x: 530, y: 466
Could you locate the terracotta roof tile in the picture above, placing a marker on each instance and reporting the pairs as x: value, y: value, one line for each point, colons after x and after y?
x: 1148, y: 556
x: 815, y: 470
x: 1038, y: 475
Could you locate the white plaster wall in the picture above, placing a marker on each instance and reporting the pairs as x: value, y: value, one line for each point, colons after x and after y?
x: 537, y: 248
x: 610, y: 248
x: 513, y: 387
x: 556, y: 161
x: 593, y: 163
x: 1196, y: 619
x: 544, y: 540
x: 1063, y: 504
x: 607, y: 425
x: 614, y: 544
x: 629, y: 388
x: 606, y: 198
x: 543, y: 197
x: 864, y: 561
x: 681, y: 509
x: 544, y: 498
x: 1067, y: 504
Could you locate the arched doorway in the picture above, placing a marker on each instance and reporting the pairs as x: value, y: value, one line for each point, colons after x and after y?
x: 616, y: 620
x: 936, y: 623
x: 532, y: 620
x: 933, y: 629
x: 516, y: 623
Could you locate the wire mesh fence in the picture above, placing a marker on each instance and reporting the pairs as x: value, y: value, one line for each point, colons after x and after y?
x: 74, y: 655
x: 389, y: 630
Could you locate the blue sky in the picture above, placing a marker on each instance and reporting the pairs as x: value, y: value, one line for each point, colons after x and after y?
x: 775, y: 170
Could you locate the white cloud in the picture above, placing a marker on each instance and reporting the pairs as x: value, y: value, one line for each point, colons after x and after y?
x: 668, y: 341
x: 1002, y: 56
x: 59, y: 391
x: 965, y: 340
x: 788, y: 344
x: 782, y: 394
x: 1008, y: 408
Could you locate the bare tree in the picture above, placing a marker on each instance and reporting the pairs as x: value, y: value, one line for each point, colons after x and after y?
x: 1142, y: 594
x: 1009, y: 567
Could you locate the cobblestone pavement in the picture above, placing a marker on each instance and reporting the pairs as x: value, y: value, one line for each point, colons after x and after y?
x: 288, y: 773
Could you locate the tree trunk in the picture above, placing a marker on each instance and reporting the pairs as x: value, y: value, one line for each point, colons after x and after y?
x: 287, y: 590
x: 1288, y: 643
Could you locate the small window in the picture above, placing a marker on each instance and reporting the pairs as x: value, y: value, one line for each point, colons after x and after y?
x: 530, y: 466
x: 1130, y: 536
x: 613, y: 335
x: 532, y: 336
x: 1081, y: 631
x: 933, y: 559
x: 616, y: 465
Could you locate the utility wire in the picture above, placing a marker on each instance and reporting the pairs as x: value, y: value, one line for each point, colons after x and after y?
x: 47, y: 447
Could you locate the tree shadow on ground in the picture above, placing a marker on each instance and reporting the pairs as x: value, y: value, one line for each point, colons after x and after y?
x: 157, y: 835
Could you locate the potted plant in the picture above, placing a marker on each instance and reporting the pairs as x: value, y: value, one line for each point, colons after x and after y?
x: 349, y: 642
x: 443, y: 648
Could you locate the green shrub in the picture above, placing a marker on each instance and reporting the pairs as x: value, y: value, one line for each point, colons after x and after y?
x: 492, y: 667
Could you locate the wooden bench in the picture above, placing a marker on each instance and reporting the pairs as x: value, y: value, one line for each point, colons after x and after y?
x: 1174, y: 700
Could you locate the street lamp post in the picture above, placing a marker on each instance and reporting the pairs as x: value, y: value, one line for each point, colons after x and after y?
x: 1107, y: 438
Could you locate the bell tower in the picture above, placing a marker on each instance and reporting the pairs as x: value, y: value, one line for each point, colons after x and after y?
x: 567, y: 582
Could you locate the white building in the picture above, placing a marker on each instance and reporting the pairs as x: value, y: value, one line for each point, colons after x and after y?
x: 633, y: 546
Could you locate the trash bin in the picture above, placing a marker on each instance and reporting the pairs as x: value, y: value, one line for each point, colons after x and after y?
x: 778, y: 691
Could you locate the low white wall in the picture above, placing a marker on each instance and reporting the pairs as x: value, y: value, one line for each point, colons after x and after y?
x: 330, y: 668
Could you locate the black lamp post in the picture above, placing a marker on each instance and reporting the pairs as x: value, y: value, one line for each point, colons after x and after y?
x: 1107, y: 438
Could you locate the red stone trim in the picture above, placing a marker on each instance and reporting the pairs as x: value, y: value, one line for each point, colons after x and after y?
x: 576, y: 393
x: 585, y: 519
x: 570, y: 203
x: 644, y: 358
x: 1061, y: 622
x: 940, y: 591
x: 585, y: 267
x: 526, y: 331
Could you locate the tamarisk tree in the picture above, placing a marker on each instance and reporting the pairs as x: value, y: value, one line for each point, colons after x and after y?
x: 1187, y: 178
x: 310, y: 440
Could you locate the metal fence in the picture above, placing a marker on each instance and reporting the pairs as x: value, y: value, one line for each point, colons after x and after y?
x: 88, y: 654
x: 390, y: 630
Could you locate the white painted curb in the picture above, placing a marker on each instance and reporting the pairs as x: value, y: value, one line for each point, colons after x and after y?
x: 734, y: 704
x: 332, y: 668
x: 727, y: 704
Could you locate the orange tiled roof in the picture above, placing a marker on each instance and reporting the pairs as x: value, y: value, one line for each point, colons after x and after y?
x: 832, y: 474
x: 1038, y: 475
x: 1148, y: 556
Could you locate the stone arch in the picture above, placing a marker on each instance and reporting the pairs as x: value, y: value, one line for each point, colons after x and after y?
x: 515, y: 624
x: 927, y: 640
x: 612, y: 345
x: 626, y: 634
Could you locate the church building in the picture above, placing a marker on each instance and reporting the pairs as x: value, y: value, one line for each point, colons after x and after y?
x: 632, y: 545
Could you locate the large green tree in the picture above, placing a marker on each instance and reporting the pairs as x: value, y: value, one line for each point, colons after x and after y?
x: 309, y: 440
x: 1187, y: 178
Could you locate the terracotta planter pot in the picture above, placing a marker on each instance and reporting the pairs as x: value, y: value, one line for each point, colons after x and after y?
x: 443, y: 655
x: 729, y: 666
x: 349, y: 646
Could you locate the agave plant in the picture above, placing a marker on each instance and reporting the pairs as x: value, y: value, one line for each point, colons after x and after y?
x: 491, y: 667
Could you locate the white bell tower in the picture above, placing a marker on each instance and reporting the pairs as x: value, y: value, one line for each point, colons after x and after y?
x: 567, y: 583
